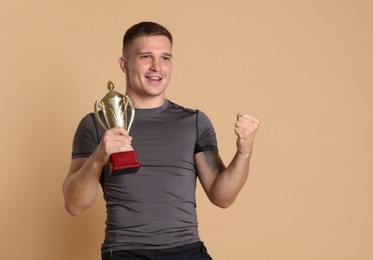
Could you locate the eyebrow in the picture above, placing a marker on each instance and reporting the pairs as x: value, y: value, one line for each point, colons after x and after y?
x: 149, y: 53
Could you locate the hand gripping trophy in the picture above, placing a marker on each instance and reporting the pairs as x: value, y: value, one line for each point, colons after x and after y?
x: 114, y: 107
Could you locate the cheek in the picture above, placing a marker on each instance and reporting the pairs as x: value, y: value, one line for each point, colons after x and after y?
x: 168, y: 69
x: 135, y: 69
x: 140, y: 67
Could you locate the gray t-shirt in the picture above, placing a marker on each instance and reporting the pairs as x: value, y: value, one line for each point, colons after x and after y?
x: 156, y: 207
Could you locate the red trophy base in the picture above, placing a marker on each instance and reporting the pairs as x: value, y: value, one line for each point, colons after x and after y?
x: 124, y: 162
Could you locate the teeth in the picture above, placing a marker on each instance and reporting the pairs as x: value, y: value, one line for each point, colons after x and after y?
x: 154, y: 78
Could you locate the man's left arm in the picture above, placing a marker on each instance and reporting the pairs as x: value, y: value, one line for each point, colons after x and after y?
x: 222, y: 184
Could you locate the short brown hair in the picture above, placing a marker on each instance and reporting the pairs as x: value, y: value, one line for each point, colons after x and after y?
x: 144, y: 29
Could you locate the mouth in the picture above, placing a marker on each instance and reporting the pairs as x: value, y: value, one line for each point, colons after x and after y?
x: 154, y: 78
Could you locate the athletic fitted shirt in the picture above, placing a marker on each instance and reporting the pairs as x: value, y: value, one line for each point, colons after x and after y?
x: 154, y: 208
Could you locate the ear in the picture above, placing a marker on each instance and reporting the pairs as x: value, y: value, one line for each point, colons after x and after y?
x: 123, y: 64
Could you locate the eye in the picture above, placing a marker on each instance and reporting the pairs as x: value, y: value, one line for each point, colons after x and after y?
x: 145, y: 57
x: 166, y: 58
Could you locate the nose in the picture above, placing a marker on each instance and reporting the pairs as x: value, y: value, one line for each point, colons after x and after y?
x: 155, y: 66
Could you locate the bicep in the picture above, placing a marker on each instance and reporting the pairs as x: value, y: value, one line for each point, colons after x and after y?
x: 75, y: 165
x: 208, y: 165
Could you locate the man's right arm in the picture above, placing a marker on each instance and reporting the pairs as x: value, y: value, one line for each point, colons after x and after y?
x: 81, y: 184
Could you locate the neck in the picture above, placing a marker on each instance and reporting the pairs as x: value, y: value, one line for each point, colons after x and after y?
x: 147, y: 102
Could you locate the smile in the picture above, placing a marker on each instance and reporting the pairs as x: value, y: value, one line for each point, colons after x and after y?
x: 154, y: 78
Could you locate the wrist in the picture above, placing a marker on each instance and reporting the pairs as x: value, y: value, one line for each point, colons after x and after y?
x: 97, y: 161
x: 244, y: 155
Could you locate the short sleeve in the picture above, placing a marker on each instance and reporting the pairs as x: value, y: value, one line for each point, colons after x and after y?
x: 86, y: 138
x: 206, y: 136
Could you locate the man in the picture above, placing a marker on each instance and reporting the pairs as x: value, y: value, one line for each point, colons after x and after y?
x: 152, y: 214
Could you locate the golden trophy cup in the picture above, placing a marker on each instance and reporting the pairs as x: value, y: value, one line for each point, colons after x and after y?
x: 114, y: 107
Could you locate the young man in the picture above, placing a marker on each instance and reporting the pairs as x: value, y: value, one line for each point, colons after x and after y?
x: 152, y: 214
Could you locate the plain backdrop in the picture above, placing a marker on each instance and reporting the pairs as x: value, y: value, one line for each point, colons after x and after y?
x: 304, y: 68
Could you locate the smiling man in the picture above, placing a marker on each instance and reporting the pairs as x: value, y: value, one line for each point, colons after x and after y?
x: 152, y: 214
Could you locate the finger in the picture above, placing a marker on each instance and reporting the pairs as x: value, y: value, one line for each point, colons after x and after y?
x: 114, y: 142
x: 239, y: 115
x: 117, y: 134
x: 246, y: 126
x: 247, y: 116
x: 118, y: 131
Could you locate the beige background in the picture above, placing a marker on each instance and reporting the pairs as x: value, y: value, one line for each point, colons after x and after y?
x: 304, y: 68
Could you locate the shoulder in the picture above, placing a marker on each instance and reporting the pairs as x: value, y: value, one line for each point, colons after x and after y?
x: 89, y: 128
x: 90, y: 121
x: 200, y: 115
x: 87, y: 121
x: 177, y: 107
x: 201, y: 118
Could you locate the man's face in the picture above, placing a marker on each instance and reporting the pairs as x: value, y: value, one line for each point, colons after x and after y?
x: 148, y: 66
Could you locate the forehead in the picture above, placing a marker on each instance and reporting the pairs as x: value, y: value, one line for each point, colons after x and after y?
x: 155, y: 44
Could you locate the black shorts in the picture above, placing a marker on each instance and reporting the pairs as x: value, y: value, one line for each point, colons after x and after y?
x: 194, y: 251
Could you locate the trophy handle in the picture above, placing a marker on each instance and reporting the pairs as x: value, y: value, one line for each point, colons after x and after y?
x: 128, y: 101
x: 98, y: 116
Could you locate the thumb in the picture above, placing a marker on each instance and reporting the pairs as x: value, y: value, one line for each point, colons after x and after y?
x: 239, y: 115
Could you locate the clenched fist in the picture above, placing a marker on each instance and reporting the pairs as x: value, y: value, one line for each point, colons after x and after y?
x: 245, y: 128
x: 114, y: 140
